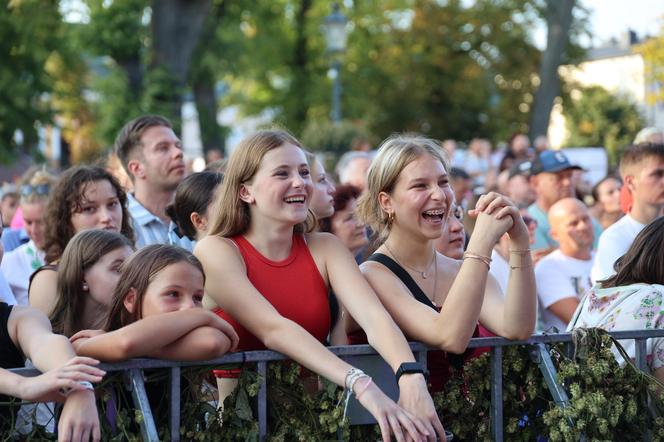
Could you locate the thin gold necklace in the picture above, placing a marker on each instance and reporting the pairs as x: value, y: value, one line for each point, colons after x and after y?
x: 424, y: 274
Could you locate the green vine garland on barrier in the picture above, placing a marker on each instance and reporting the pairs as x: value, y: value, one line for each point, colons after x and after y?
x: 605, y: 400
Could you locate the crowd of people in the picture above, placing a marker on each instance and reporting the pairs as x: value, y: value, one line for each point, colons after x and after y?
x: 417, y: 240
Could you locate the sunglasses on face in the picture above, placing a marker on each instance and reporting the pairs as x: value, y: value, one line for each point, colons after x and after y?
x: 41, y: 189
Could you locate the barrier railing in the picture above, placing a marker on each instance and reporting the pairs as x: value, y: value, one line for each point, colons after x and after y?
x: 382, y: 375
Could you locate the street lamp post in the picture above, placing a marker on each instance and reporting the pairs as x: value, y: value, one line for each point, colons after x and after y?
x: 336, y: 34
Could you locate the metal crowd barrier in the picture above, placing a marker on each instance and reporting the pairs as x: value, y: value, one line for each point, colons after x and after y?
x: 134, y: 374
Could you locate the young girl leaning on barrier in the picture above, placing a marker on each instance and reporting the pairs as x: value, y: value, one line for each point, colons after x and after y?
x: 270, y: 279
x: 88, y: 273
x: 156, y: 312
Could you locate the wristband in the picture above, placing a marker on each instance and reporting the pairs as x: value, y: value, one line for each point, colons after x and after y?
x: 87, y: 385
x: 411, y: 368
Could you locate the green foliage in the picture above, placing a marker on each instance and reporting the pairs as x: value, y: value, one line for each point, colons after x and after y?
x: 30, y: 32
x: 652, y: 51
x: 595, y: 117
x: 442, y: 68
x: 605, y: 399
x: 467, y: 398
x: 298, y: 410
x: 325, y: 136
x: 606, y: 402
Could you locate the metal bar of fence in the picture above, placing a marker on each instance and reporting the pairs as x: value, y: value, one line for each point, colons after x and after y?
x: 640, y: 355
x: 551, y: 377
x: 262, y: 401
x: 497, y: 393
x: 175, y: 395
x: 148, y: 428
x: 356, y: 350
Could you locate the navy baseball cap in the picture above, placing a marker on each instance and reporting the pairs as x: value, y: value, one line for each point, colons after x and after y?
x: 552, y: 161
x: 523, y: 168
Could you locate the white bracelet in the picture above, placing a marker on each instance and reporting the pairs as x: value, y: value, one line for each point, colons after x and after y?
x: 88, y: 385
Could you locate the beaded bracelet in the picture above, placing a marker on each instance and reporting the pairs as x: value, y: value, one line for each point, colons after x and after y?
x: 352, y: 376
x: 485, y: 259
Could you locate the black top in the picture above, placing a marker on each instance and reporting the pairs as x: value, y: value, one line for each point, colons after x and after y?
x: 404, y: 276
x: 438, y: 362
x: 10, y: 357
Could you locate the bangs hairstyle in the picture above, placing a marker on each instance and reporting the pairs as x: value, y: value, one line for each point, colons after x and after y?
x: 193, y: 194
x: 644, y: 261
x: 634, y: 156
x: 82, y: 252
x: 137, y: 273
x: 394, y: 154
x: 232, y: 216
x: 67, y: 199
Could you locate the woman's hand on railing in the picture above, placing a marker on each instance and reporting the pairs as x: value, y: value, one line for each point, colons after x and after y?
x: 415, y: 398
x: 54, y: 385
x: 391, y: 418
x: 79, y: 420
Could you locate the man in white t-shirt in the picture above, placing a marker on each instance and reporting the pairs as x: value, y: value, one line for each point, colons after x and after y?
x: 563, y: 276
x: 642, y: 171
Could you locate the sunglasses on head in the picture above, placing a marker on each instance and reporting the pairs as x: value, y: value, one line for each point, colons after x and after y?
x: 40, y: 189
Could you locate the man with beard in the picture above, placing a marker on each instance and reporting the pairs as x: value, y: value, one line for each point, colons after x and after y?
x: 551, y: 178
x: 563, y: 276
x: 152, y: 155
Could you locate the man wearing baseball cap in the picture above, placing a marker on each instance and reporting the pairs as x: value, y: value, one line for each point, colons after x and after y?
x: 551, y: 178
x: 518, y: 184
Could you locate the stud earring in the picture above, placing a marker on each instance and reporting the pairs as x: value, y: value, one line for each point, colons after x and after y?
x: 85, y: 287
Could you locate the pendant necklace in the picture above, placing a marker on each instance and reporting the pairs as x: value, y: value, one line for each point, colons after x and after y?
x: 425, y: 274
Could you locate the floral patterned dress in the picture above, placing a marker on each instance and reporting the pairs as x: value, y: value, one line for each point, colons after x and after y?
x: 631, y: 307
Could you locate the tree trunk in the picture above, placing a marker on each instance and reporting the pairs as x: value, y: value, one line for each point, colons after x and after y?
x: 176, y: 27
x: 212, y: 135
x: 559, y: 21
x: 299, y: 89
x: 203, y: 79
x: 134, y: 70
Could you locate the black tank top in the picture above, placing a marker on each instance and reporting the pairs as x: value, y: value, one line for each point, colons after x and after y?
x: 10, y: 357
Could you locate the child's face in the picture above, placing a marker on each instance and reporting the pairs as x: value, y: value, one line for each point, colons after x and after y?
x: 178, y: 286
x: 104, y: 275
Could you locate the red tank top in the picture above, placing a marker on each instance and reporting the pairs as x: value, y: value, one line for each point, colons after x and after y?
x: 293, y: 286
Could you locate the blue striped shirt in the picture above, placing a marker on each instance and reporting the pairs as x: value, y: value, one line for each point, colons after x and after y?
x: 150, y: 229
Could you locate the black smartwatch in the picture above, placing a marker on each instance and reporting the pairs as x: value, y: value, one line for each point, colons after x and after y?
x: 410, y: 368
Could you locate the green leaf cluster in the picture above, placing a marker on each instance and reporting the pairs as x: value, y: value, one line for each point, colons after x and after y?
x: 596, y: 117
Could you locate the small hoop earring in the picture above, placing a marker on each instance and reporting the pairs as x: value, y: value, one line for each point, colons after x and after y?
x: 390, y: 219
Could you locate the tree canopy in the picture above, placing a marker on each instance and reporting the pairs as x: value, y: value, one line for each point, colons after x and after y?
x: 447, y: 69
